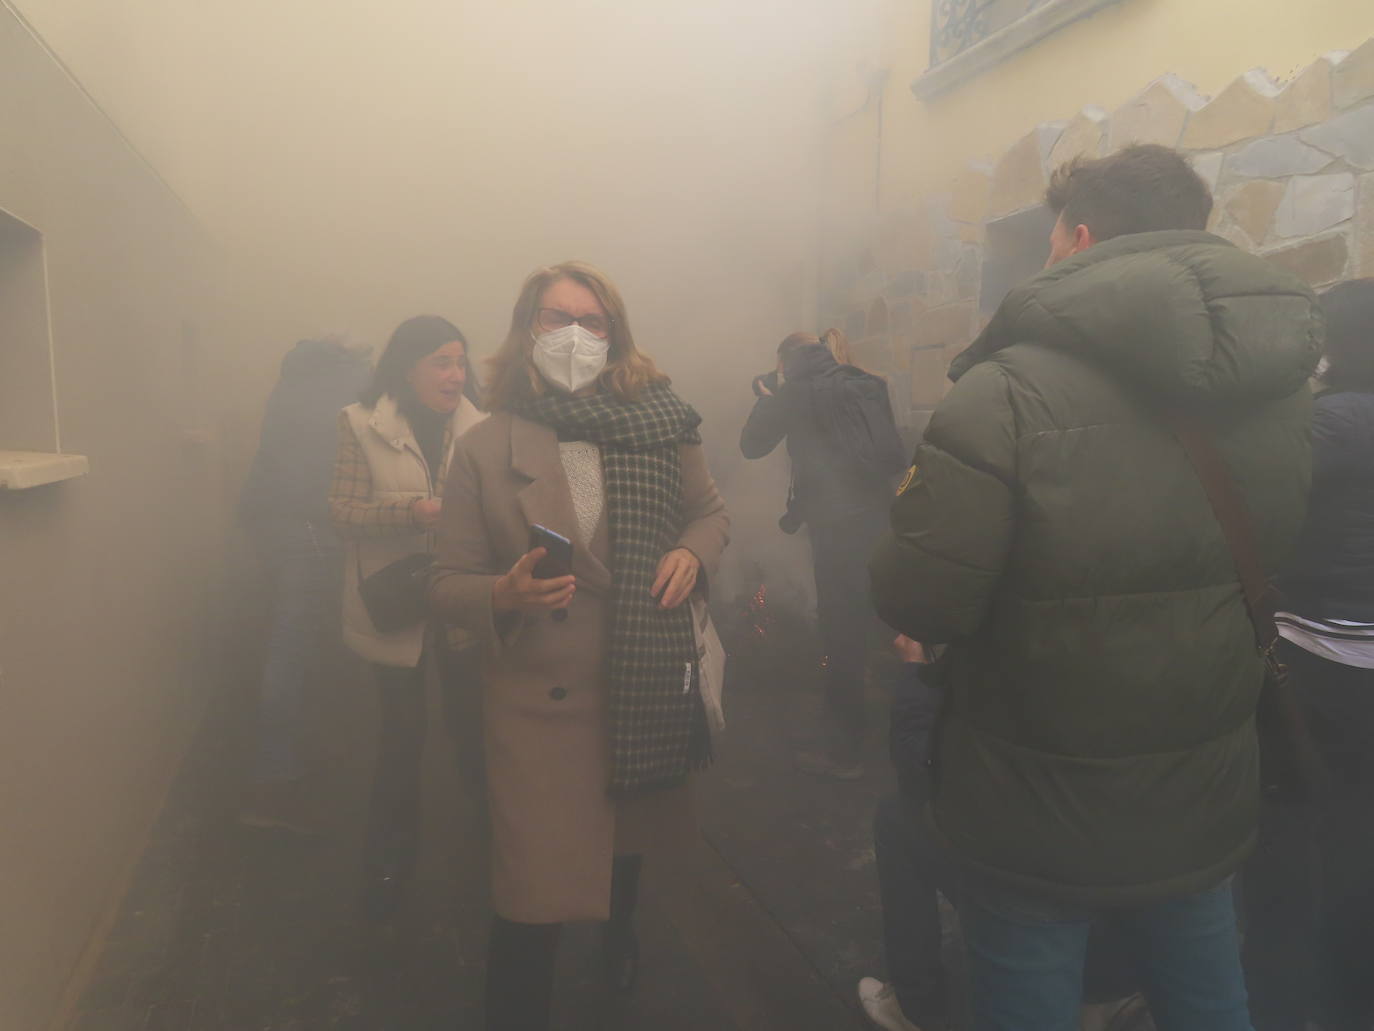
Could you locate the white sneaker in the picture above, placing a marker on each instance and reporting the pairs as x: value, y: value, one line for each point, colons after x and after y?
x: 880, y: 1003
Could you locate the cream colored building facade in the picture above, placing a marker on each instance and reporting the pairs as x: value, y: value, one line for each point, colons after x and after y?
x: 938, y: 157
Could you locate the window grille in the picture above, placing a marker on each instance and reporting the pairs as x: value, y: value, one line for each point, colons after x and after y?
x: 957, y: 25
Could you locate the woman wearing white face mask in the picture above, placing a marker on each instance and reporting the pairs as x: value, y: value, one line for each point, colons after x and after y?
x: 594, y: 720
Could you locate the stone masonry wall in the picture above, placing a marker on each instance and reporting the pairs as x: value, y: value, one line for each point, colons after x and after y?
x: 1291, y: 166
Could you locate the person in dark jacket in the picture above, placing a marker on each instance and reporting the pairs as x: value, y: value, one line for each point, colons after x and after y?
x: 845, y: 451
x: 1098, y: 751
x: 1309, y: 897
x: 914, y: 869
x: 284, y: 508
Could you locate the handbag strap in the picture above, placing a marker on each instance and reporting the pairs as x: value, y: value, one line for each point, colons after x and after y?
x: 1231, y: 513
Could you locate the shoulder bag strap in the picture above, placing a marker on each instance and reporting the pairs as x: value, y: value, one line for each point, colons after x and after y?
x: 1290, y: 760
x: 1229, y: 508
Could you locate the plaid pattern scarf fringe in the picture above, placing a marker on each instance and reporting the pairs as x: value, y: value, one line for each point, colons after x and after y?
x: 657, y: 721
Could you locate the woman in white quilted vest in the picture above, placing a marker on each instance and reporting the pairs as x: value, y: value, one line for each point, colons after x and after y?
x: 394, y: 449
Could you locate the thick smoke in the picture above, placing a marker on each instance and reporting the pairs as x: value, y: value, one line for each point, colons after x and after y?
x: 363, y: 164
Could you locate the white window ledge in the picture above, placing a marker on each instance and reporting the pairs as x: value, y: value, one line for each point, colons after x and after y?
x: 1020, y: 34
x: 20, y: 470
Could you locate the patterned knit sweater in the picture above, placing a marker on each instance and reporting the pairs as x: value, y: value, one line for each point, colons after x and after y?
x: 582, y: 466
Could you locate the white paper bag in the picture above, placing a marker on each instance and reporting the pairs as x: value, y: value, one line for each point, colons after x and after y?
x: 710, y: 664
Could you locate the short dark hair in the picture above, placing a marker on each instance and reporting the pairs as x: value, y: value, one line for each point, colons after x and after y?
x: 1349, y: 309
x: 415, y: 338
x: 1141, y: 189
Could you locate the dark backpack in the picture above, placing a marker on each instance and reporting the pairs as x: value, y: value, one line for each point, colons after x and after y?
x: 854, y: 413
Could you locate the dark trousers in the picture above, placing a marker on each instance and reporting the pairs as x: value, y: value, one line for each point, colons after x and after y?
x: 912, y: 868
x: 521, y: 958
x: 840, y: 553
x: 305, y: 595
x: 393, y: 836
x: 1308, y: 891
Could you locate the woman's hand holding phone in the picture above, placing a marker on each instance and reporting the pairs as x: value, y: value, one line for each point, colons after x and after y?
x: 520, y: 591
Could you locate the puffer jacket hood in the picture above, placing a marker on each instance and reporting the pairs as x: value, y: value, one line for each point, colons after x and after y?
x: 1187, y: 316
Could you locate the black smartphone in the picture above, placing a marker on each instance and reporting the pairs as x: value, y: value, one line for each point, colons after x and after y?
x: 558, y: 561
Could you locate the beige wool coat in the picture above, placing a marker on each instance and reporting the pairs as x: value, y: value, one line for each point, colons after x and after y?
x: 554, y: 828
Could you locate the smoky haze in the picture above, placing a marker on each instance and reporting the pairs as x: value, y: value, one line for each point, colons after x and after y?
x: 361, y: 163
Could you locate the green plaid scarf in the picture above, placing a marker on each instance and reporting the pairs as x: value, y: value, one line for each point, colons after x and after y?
x: 657, y: 723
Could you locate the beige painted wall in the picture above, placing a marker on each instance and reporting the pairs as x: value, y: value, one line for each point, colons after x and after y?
x: 1102, y: 60
x: 104, y: 605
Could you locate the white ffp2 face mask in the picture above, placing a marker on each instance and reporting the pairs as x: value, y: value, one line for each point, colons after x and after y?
x: 570, y: 358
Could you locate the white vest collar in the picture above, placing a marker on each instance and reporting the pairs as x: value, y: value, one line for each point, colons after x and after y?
x: 388, y: 423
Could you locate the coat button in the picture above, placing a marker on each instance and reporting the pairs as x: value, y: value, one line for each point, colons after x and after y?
x: 558, y: 694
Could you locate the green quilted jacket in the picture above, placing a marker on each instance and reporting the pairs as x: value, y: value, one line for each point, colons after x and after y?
x: 1098, y: 742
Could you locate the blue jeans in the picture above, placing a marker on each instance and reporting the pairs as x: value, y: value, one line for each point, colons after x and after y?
x: 305, y: 597
x: 1026, y: 960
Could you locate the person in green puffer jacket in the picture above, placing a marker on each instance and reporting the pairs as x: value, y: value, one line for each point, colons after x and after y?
x: 1097, y: 755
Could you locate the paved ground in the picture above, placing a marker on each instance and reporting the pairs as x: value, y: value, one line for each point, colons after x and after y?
x: 227, y: 929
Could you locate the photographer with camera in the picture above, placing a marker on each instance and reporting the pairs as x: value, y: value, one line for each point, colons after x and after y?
x: 845, y: 450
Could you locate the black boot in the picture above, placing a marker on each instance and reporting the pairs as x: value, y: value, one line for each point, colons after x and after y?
x: 619, y: 943
x: 520, y: 969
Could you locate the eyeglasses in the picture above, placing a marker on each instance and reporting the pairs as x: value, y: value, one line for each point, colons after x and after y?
x: 550, y: 319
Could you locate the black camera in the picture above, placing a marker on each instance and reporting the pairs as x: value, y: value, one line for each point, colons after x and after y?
x: 791, y: 520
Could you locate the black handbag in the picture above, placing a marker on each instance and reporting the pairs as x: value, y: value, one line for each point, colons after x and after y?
x: 397, y: 595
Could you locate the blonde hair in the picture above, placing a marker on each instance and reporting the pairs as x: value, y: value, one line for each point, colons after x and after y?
x: 838, y: 345
x: 513, y: 375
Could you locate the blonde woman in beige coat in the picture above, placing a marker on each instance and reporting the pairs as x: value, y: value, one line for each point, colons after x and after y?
x: 593, y: 717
